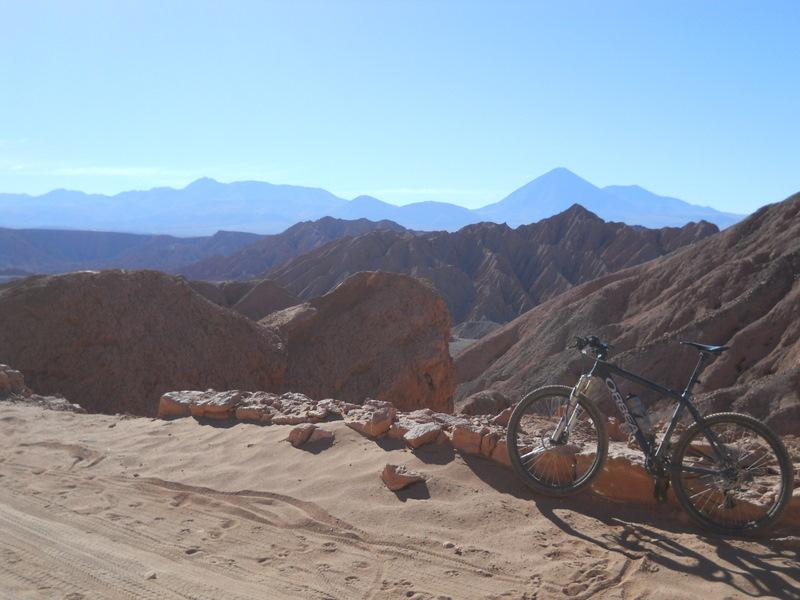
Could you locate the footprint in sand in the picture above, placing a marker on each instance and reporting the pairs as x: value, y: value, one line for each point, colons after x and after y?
x: 329, y: 547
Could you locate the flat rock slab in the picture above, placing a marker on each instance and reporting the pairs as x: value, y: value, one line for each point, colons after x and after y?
x: 398, y: 477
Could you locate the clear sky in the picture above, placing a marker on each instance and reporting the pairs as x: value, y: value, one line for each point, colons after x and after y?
x: 405, y: 100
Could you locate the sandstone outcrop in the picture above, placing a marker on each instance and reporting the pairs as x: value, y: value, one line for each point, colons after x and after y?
x: 399, y: 477
x: 116, y: 341
x: 380, y: 335
x: 489, y: 272
x: 740, y: 287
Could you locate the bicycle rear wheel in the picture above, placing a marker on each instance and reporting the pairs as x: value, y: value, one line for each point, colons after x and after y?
x: 556, y: 467
x: 743, y: 493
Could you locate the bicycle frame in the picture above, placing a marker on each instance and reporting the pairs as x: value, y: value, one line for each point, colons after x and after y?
x: 604, y: 370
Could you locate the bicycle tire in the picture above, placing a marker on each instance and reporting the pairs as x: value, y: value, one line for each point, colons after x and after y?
x: 784, y: 461
x: 513, y: 450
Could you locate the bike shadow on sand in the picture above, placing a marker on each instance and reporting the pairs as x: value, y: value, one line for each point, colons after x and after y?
x: 760, y: 567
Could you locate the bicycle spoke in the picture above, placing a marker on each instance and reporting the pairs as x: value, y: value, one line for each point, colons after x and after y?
x: 742, y: 490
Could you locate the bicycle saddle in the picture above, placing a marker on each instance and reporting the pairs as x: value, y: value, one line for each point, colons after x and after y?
x: 706, y: 348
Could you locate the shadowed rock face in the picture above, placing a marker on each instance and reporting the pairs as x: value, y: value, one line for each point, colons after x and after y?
x: 272, y: 250
x: 115, y: 341
x: 254, y: 299
x: 740, y: 288
x: 488, y: 271
x: 377, y: 334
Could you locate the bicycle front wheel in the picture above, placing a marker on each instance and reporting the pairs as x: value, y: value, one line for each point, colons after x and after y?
x: 556, y: 467
x: 740, y: 488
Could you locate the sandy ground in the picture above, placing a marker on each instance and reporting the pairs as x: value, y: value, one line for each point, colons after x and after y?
x: 98, y: 506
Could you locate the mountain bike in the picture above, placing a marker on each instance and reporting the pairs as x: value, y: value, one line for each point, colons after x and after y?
x: 728, y: 471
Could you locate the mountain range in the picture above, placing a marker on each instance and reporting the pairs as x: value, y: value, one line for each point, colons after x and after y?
x: 206, y: 206
x: 486, y: 271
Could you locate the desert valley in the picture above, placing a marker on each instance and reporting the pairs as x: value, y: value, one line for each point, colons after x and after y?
x: 356, y: 300
x: 320, y: 413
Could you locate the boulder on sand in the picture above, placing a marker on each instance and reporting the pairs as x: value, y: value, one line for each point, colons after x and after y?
x: 373, y: 419
x: 398, y: 477
x: 377, y: 334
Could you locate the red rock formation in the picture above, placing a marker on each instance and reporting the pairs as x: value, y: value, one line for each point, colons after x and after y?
x: 398, y: 477
x: 273, y: 250
x: 740, y: 287
x: 254, y: 299
x: 115, y: 341
x: 377, y: 334
x: 489, y: 271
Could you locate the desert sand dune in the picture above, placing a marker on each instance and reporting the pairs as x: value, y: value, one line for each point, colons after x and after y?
x: 95, y: 506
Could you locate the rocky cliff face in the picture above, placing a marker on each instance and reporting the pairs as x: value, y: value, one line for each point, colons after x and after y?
x: 254, y: 299
x: 115, y: 341
x: 381, y: 335
x: 271, y: 250
x: 740, y: 287
x: 488, y: 271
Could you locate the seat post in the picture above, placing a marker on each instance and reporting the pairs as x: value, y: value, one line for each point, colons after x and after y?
x: 695, y: 374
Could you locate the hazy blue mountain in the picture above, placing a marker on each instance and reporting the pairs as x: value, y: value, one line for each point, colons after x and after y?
x: 670, y: 211
x: 560, y: 188
x: 206, y: 206
x: 201, y: 208
x: 425, y: 216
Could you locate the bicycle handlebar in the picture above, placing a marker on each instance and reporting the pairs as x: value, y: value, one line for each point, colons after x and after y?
x: 593, y: 342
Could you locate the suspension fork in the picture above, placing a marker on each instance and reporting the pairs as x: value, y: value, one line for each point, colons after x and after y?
x: 567, y: 420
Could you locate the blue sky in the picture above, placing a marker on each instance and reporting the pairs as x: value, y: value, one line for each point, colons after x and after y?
x: 417, y: 100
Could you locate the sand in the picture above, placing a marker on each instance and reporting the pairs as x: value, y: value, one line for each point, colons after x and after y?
x: 95, y: 506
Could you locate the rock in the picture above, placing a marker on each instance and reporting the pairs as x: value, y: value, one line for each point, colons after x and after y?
x: 500, y: 453
x: 467, y: 438
x: 502, y: 418
x: 376, y: 334
x: 257, y: 407
x: 117, y: 341
x: 177, y: 404
x: 489, y: 443
x: 449, y: 545
x: 401, y: 426
x: 623, y: 477
x: 217, y: 405
x: 300, y: 434
x: 422, y: 433
x: 293, y: 408
x: 11, y: 382
x: 486, y: 402
x: 448, y: 422
x: 150, y: 575
x: 373, y: 419
x: 321, y: 435
x: 399, y: 477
